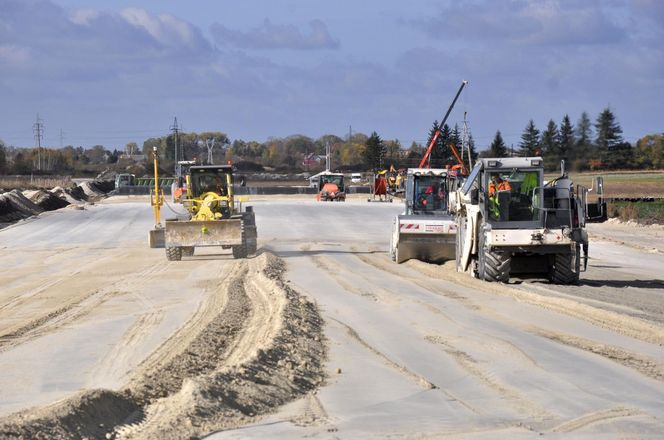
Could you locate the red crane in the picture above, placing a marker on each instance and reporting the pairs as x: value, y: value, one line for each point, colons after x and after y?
x: 424, y: 163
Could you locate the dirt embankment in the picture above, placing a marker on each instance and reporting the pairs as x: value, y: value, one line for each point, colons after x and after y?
x: 18, y: 205
x: 262, y: 349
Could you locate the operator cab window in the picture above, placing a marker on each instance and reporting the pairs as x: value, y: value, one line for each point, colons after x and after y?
x: 430, y: 194
x: 512, y: 195
x: 210, y: 182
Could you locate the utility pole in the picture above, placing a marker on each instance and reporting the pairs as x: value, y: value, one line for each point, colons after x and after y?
x: 38, y: 128
x: 175, y: 128
x: 62, y: 138
x: 465, y: 141
x: 327, y: 156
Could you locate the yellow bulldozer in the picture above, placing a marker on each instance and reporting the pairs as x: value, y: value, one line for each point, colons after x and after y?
x: 215, y: 217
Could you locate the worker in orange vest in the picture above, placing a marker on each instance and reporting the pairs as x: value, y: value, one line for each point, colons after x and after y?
x: 497, y: 184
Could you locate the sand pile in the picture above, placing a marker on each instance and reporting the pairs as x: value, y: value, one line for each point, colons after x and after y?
x: 70, y: 195
x: 46, y: 200
x: 96, y: 189
x: 15, y: 206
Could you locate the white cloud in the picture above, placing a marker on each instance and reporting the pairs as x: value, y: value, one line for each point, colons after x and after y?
x: 84, y: 17
x: 271, y: 36
x: 14, y: 56
x: 164, y: 28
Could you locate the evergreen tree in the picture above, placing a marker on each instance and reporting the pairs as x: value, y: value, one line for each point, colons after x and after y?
x: 498, y: 147
x: 455, y: 138
x: 609, y: 135
x: 584, y: 146
x: 567, y: 141
x: 3, y: 158
x: 374, y: 153
x: 471, y: 147
x: 530, y: 140
x: 443, y: 154
x: 550, y: 145
x: 439, y: 146
x: 608, y: 130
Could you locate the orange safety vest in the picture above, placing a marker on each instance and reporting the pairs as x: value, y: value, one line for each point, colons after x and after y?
x: 502, y: 186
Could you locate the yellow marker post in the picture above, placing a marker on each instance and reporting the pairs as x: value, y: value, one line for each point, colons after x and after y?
x: 156, y: 237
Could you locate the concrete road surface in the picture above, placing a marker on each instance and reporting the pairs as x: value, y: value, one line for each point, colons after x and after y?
x: 414, y: 350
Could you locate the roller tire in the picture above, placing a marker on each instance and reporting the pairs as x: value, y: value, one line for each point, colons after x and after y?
x: 174, y: 254
x: 493, y: 266
x: 563, y: 270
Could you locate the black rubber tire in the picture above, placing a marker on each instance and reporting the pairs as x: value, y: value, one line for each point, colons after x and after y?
x: 494, y: 266
x: 187, y: 251
x: 174, y: 254
x: 563, y: 271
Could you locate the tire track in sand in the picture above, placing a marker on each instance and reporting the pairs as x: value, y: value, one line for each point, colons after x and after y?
x: 77, y: 309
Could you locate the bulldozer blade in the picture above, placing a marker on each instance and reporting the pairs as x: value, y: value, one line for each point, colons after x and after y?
x: 430, y: 248
x: 157, y: 238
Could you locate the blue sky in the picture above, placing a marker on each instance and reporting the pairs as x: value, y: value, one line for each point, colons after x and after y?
x: 113, y: 72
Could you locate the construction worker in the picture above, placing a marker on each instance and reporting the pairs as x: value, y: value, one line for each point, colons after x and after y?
x: 497, y: 184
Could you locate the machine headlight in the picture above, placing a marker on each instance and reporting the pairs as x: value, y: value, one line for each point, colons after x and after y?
x: 223, y: 203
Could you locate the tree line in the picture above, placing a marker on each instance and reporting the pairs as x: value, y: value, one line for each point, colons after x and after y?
x: 584, y: 145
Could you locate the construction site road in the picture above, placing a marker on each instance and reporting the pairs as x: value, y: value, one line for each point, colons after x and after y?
x: 402, y: 351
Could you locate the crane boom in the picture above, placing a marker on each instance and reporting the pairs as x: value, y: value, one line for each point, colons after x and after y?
x: 427, y: 155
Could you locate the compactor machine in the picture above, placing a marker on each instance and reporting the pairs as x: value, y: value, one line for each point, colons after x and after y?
x: 215, y: 218
x: 426, y: 230
x: 331, y: 187
x: 510, y: 222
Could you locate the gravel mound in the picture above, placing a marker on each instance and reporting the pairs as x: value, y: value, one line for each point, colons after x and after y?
x: 46, y: 200
x: 71, y: 195
x: 15, y: 206
x: 96, y: 189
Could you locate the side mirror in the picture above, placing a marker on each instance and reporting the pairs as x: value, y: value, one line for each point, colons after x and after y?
x: 598, y: 185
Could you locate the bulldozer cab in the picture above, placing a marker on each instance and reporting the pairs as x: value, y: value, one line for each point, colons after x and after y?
x: 212, y: 178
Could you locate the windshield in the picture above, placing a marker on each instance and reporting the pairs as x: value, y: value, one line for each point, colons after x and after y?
x: 337, y: 180
x: 430, y: 194
x: 208, y: 181
x: 512, y: 195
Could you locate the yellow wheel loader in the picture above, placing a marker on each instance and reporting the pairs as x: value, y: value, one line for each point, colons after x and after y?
x: 215, y: 218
